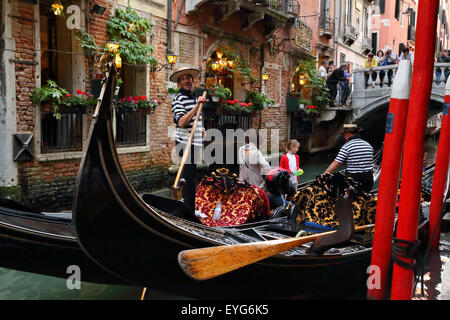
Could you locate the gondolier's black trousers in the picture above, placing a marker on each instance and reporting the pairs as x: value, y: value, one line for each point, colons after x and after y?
x: 190, y: 174
x: 364, y: 178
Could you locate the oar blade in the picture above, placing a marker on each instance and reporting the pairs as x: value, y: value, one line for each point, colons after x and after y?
x: 207, y: 263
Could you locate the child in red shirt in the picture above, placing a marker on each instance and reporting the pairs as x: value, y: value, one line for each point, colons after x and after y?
x: 291, y: 161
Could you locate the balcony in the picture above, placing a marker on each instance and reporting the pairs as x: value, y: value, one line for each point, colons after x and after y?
x: 350, y: 34
x: 326, y: 27
x: 366, y: 44
x: 411, y: 33
x: 275, y: 13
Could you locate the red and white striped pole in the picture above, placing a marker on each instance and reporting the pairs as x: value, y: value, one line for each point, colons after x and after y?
x: 387, y: 191
x: 403, y: 278
x: 440, y: 174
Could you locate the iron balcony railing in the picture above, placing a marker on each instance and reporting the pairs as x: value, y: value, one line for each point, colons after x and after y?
x: 289, y: 8
x: 326, y: 25
x: 350, y: 32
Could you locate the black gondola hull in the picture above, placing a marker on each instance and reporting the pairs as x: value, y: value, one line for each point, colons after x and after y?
x: 130, y: 239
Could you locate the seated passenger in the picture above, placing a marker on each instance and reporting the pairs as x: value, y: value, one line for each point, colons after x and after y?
x: 279, y: 187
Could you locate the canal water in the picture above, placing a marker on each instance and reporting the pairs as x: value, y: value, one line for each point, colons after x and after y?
x: 16, y: 285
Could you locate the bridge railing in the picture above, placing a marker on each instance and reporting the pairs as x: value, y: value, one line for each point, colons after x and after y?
x: 382, y: 77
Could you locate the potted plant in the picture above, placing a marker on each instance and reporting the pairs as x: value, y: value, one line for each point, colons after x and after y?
x: 135, y: 104
x: 312, y: 111
x: 235, y: 106
x: 78, y: 102
x: 218, y: 93
x: 172, y: 92
x: 50, y: 96
x: 259, y: 99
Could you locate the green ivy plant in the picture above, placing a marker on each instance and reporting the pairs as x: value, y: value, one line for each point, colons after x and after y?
x: 87, y: 41
x: 241, y: 65
x: 130, y: 31
x: 319, y: 93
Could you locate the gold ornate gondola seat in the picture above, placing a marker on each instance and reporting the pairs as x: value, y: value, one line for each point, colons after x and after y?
x: 316, y: 202
x: 241, y: 202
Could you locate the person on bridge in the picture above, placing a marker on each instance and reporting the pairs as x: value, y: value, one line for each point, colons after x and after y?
x: 358, y: 155
x: 332, y: 83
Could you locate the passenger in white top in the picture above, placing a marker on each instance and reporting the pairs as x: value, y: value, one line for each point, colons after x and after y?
x: 252, y: 165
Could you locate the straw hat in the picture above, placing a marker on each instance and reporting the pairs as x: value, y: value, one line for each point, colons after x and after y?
x: 182, y: 70
x: 350, y: 127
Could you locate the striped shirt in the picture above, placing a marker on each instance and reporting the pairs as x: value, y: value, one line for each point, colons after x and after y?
x: 358, y: 154
x: 181, y: 106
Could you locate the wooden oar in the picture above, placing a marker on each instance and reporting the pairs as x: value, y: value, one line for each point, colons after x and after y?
x: 175, y: 192
x: 207, y: 263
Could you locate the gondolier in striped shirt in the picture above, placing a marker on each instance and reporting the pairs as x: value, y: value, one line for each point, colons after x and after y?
x: 184, y: 109
x: 358, y: 155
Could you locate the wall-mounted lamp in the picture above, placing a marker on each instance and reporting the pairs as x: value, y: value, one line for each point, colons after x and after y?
x: 118, y: 61
x: 301, y: 81
x: 112, y: 46
x: 409, y: 12
x: 265, y: 76
x: 171, y: 60
x: 57, y: 8
x: 98, y: 9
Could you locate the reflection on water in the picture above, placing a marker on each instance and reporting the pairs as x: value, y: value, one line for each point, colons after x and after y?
x: 15, y: 285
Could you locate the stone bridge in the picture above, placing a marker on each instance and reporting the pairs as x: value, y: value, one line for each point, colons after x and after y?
x: 368, y: 99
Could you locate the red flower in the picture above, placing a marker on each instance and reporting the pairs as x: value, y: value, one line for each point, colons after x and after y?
x: 78, y: 91
x: 143, y: 97
x: 136, y: 98
x: 83, y: 93
x: 67, y: 95
x: 250, y: 104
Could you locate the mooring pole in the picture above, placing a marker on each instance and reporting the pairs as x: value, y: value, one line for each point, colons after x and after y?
x: 403, y: 278
x: 440, y: 182
x: 387, y: 192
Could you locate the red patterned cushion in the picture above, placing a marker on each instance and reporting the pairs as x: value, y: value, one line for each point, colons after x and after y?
x: 242, y: 205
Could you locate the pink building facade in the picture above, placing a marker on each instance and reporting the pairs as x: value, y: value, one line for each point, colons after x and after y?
x: 394, y: 24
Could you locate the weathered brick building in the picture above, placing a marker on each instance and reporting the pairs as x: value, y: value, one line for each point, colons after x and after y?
x: 40, y: 155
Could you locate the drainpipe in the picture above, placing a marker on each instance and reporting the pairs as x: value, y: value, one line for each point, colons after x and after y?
x: 169, y: 31
x: 337, y: 28
x: 262, y: 67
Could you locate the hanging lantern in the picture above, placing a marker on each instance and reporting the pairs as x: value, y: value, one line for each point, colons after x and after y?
x: 265, y: 76
x: 230, y: 63
x: 219, y: 55
x: 57, y: 8
x: 301, y: 81
x: 118, y: 61
x: 112, y: 46
x: 215, y: 66
x: 171, y: 58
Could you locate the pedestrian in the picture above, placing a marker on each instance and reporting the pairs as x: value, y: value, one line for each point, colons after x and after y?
x: 407, y: 55
x: 390, y: 59
x: 443, y: 58
x: 290, y: 161
x: 322, y: 71
x: 184, y: 109
x: 358, y: 155
x: 345, y: 86
x: 252, y: 164
x: 370, y: 63
x: 380, y: 61
x: 331, y: 67
x: 333, y: 81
